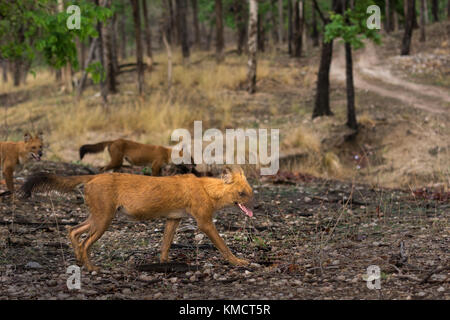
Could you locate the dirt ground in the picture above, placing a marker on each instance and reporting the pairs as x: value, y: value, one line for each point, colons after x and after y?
x: 309, y: 239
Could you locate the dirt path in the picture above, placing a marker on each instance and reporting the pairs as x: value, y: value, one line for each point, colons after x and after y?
x: 370, y: 74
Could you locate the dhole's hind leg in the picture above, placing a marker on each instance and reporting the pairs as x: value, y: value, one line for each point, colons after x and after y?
x: 156, y: 168
x: 169, y: 232
x: 74, y: 236
x: 99, y: 221
x: 116, y: 158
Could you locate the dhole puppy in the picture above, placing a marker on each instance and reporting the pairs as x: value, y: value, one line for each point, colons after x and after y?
x: 133, y: 152
x: 18, y: 153
x: 143, y: 197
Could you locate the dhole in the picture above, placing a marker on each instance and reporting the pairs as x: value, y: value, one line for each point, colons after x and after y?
x: 14, y: 153
x: 143, y: 197
x: 133, y: 152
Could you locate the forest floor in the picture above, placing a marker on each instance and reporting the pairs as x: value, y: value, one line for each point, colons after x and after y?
x: 343, y: 206
x: 309, y: 239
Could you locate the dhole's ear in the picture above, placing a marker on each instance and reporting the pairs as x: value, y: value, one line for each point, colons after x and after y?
x: 26, y: 137
x: 40, y: 136
x: 227, y: 175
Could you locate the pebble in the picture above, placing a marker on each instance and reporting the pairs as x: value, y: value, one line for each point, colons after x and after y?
x: 307, y: 199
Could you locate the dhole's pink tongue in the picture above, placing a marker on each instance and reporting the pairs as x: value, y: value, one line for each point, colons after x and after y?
x: 246, y: 210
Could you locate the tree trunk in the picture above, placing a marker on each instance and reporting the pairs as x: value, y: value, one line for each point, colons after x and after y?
x: 387, y: 14
x: 182, y: 28
x: 90, y: 57
x: 273, y: 22
x: 252, y: 45
x: 67, y: 69
x: 394, y: 20
x: 290, y: 27
x: 114, y: 43
x: 315, y: 32
x: 147, y: 35
x: 322, y: 102
x: 280, y: 22
x: 422, y: 20
x: 17, y: 74
x: 195, y: 21
x: 5, y: 70
x: 219, y: 31
x: 351, y: 113
x: 139, y: 51
x: 298, y: 30
x: 174, y: 37
x: 435, y: 10
x: 261, y: 32
x: 448, y: 9
x: 241, y: 24
x: 406, y: 43
x: 108, y: 55
x: 123, y: 36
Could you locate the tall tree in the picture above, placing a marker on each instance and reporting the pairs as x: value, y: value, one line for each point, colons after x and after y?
x: 107, y: 34
x: 387, y: 14
x: 123, y: 34
x: 422, y: 20
x: 139, y: 51
x: 322, y: 100
x: 252, y: 45
x: 298, y: 30
x: 195, y: 21
x: 219, y: 31
x: 147, y: 34
x: 67, y: 69
x: 435, y: 10
x: 409, y: 22
x: 280, y: 22
x: 182, y: 28
x: 290, y: 27
x: 240, y: 17
x: 315, y: 32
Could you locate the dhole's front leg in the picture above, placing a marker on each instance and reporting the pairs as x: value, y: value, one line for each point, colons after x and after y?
x: 206, y: 225
x: 8, y: 172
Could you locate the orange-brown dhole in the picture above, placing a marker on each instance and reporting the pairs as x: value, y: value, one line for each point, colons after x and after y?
x: 143, y: 197
x: 18, y: 153
x: 133, y: 152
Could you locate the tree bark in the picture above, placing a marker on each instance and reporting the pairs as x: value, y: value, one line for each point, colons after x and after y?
x: 219, y: 31
x: 241, y: 16
x: 252, y: 45
x: 195, y: 22
x: 108, y: 54
x: 139, y: 51
x: 315, y: 32
x: 90, y: 57
x: 422, y: 21
x: 280, y: 22
x: 273, y: 22
x: 387, y: 14
x: 147, y: 34
x: 322, y: 101
x: 261, y: 33
x: 435, y: 10
x: 406, y: 43
x: 123, y: 36
x: 5, y: 70
x: 174, y: 37
x: 17, y: 74
x: 351, y: 112
x: 114, y: 44
x: 290, y: 27
x: 182, y: 29
x: 298, y: 30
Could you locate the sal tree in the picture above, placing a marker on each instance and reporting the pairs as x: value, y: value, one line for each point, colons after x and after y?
x: 350, y: 24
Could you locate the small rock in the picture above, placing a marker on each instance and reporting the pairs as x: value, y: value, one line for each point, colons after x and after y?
x: 441, y: 289
x: 33, y: 265
x: 157, y: 295
x: 307, y: 199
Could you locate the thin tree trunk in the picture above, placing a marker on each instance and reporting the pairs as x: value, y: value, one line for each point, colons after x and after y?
x: 147, y: 35
x: 448, y: 9
x: 299, y: 8
x: 114, y: 43
x: 395, y: 20
x: 322, y: 101
x: 182, y: 29
x: 351, y: 112
x: 139, y: 51
x: 67, y: 69
x: 252, y: 45
x: 315, y: 32
x: 196, y: 25
x: 273, y: 22
x: 123, y: 36
x: 406, y: 43
x: 5, y: 70
x: 387, y: 14
x: 108, y: 54
x: 174, y: 37
x: 290, y: 27
x: 422, y: 20
x: 435, y: 10
x: 219, y: 31
x: 426, y: 10
x: 261, y: 33
x: 90, y: 57
x: 17, y: 75
x: 241, y: 18
x: 280, y: 22
x: 169, y: 62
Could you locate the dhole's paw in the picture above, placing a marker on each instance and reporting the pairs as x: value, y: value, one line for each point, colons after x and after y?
x: 239, y: 262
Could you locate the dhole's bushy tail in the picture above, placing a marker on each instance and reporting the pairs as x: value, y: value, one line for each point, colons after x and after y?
x: 45, y: 182
x: 93, y: 148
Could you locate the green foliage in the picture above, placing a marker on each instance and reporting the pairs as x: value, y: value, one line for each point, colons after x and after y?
x: 29, y: 27
x: 351, y: 26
